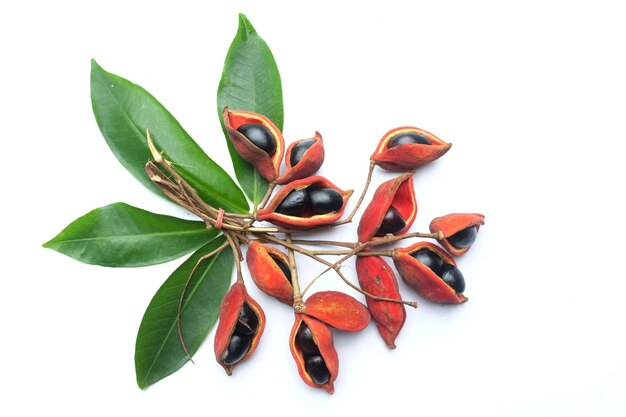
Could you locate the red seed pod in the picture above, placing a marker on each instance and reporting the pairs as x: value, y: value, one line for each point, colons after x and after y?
x: 419, y: 265
x: 267, y: 164
x: 377, y: 278
x: 396, y: 194
x: 305, y: 352
x: 337, y: 310
x: 240, y: 328
x: 307, y: 162
x: 264, y: 263
x: 458, y: 229
x: 306, y: 218
x: 407, y: 148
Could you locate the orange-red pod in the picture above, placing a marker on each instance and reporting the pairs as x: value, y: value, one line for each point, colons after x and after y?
x: 230, y: 310
x: 397, y: 193
x: 323, y: 338
x: 377, y: 278
x: 309, y: 163
x: 458, y: 230
x: 423, y: 279
x: 267, y: 274
x: 408, y: 156
x: 305, y: 220
x: 267, y: 165
x: 337, y: 310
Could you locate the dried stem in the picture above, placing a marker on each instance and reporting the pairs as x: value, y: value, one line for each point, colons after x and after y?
x: 298, y: 305
x: 325, y: 242
x: 234, y: 244
x: 358, y: 203
x: 182, y: 296
x: 266, y: 197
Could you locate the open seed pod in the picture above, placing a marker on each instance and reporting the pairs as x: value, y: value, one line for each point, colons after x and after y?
x: 391, y: 211
x: 458, y: 229
x: 337, y: 310
x: 306, y: 203
x: 431, y: 272
x: 269, y: 268
x: 302, y: 159
x: 312, y: 347
x: 240, y: 328
x: 377, y: 278
x: 407, y: 148
x: 256, y: 139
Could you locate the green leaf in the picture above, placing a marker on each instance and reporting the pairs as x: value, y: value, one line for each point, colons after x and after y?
x: 124, y: 111
x: 250, y: 81
x: 124, y: 236
x: 158, y: 352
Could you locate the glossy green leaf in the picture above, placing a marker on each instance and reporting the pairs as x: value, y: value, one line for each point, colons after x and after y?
x: 250, y: 81
x: 124, y: 111
x: 158, y: 352
x: 120, y: 235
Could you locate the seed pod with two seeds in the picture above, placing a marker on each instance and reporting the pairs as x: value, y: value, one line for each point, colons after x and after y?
x: 256, y: 139
x: 391, y: 211
x: 240, y: 328
x: 269, y: 268
x: 431, y: 272
x: 302, y: 159
x: 306, y: 203
x: 407, y: 148
x: 457, y: 230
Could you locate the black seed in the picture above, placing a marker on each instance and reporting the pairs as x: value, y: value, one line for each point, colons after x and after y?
x: 317, y: 370
x: 392, y: 223
x: 296, y: 203
x: 304, y: 338
x: 297, y: 152
x: 283, y: 267
x: 429, y: 258
x: 237, y: 349
x: 248, y: 321
x: 325, y: 200
x: 408, y: 138
x: 464, y: 238
x: 260, y: 136
x: 451, y: 275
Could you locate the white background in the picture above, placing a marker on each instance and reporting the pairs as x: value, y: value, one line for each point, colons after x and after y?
x: 531, y: 94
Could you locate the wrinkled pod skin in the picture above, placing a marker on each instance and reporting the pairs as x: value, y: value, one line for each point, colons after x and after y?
x: 303, y: 158
x: 236, y: 340
x: 377, y: 278
x: 338, y: 310
x: 269, y: 268
x: 300, y: 216
x: 238, y: 122
x: 407, y: 148
x: 322, y: 338
x: 397, y: 196
x: 458, y: 230
x: 416, y: 271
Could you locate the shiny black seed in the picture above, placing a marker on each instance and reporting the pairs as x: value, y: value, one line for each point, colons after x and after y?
x: 392, y: 223
x: 464, y: 238
x: 408, y: 138
x: 304, y: 338
x: 260, y: 136
x: 295, y: 204
x: 283, y: 267
x: 297, y: 152
x: 325, y: 200
x: 429, y: 258
x: 237, y: 349
x: 317, y: 370
x: 451, y: 275
x: 248, y: 321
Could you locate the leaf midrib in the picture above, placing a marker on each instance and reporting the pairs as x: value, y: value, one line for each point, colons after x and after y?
x: 114, y: 237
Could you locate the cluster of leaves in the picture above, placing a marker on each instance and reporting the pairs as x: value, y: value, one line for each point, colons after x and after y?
x: 119, y: 235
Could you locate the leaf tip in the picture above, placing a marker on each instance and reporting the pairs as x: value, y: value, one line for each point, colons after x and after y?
x: 245, y: 27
